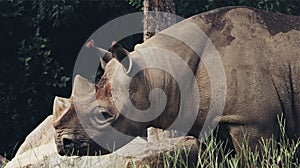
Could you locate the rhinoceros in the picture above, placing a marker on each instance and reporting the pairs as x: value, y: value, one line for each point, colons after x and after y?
x: 260, y: 57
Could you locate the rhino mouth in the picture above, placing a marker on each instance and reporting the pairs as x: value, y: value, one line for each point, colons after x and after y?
x: 70, y: 147
x: 74, y: 140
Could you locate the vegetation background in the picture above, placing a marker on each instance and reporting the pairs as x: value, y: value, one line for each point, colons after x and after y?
x: 39, y: 43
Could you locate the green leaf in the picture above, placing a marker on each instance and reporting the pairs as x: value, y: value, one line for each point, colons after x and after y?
x: 27, y: 59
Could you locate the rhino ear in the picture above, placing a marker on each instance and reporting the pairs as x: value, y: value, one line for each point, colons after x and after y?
x: 60, y: 107
x: 127, y: 64
x: 104, y: 55
x: 121, y: 54
x: 118, y: 51
x: 82, y: 89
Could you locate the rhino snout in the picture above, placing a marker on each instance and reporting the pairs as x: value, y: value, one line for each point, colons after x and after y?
x: 68, y: 144
x: 75, y: 147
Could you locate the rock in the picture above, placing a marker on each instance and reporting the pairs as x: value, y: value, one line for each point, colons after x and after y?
x: 3, y: 161
x: 156, y: 154
x: 38, y: 145
x: 42, y: 135
x: 133, y: 148
x: 154, y: 134
x: 148, y: 154
x: 137, y: 153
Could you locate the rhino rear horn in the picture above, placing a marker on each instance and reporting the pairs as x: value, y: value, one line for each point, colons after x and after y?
x: 83, y: 90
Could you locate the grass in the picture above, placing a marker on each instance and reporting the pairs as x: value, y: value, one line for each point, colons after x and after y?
x: 8, y: 155
x: 272, y: 154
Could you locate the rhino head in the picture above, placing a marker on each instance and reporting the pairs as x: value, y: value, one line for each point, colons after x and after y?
x: 89, y: 123
x: 71, y: 137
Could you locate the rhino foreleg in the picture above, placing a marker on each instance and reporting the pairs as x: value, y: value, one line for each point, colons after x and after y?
x: 244, y: 133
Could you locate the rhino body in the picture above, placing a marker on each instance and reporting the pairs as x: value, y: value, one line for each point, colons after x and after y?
x: 260, y: 55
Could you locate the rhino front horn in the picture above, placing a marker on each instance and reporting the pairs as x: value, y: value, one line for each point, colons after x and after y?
x: 60, y: 107
x: 83, y: 90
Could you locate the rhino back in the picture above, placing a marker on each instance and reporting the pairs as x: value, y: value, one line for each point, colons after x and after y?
x: 260, y: 54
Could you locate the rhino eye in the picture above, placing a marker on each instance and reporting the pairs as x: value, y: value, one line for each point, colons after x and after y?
x: 104, y: 116
x: 101, y: 115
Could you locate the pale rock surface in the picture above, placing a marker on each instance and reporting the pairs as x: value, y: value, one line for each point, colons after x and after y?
x: 39, y: 144
x: 39, y: 150
x: 3, y: 161
x: 42, y: 135
x: 138, y: 153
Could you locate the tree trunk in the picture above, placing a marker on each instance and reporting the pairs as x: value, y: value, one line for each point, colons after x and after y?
x: 154, y: 19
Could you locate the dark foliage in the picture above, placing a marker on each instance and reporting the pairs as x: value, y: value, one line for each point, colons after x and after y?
x: 40, y: 40
x: 186, y: 8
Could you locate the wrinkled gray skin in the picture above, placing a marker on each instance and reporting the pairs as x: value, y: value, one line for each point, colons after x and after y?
x: 260, y: 54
